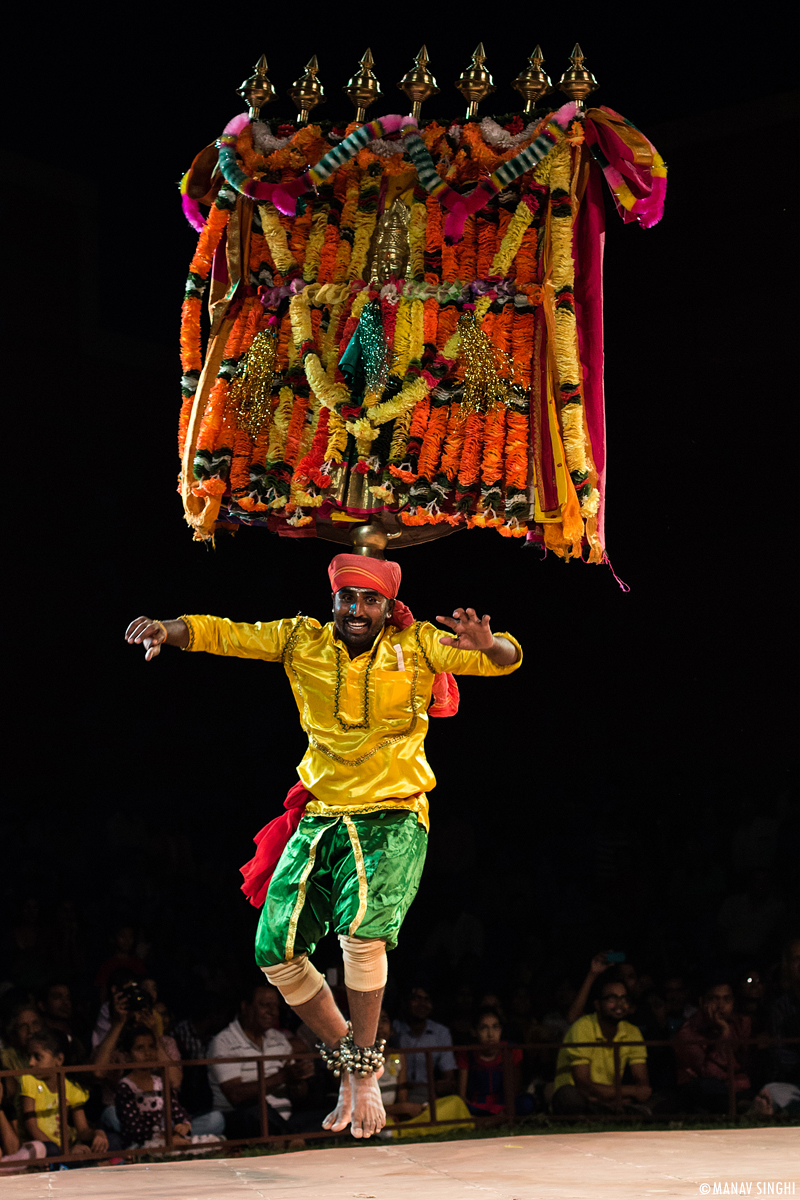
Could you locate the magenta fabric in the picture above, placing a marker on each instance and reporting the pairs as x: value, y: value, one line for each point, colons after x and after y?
x: 588, y: 247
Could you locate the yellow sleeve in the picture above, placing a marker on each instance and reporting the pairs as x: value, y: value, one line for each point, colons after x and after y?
x: 577, y: 1054
x: 460, y: 662
x: 633, y: 1054
x: 76, y: 1095
x: 28, y: 1086
x: 217, y: 635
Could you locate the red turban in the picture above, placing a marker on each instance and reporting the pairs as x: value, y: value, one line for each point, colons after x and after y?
x: 360, y: 570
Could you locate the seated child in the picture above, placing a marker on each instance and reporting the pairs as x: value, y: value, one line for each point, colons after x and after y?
x: 13, y: 1156
x: 480, y: 1072
x: 48, y: 1049
x: 139, y: 1098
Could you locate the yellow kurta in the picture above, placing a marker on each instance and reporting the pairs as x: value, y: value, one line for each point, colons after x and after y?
x: 365, y: 718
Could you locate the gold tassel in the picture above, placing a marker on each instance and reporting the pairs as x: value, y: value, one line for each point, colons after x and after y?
x: 251, y: 388
x: 482, y: 386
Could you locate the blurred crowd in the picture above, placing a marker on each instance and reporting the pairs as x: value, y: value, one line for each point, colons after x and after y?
x: 704, y: 961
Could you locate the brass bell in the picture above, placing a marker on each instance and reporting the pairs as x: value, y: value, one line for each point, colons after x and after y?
x: 418, y: 83
x: 533, y: 83
x: 369, y: 540
x: 363, y: 89
x: 257, y: 89
x: 307, y: 91
x: 475, y: 83
x: 577, y: 82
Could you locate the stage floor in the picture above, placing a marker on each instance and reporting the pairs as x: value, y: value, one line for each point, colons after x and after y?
x: 578, y: 1166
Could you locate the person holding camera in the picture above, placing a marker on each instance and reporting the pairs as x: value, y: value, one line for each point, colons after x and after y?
x: 129, y: 1004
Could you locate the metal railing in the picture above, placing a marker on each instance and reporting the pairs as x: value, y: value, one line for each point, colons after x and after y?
x: 615, y: 1111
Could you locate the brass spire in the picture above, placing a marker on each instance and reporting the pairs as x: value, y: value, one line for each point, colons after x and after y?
x: 475, y: 83
x: 307, y: 91
x: 577, y: 82
x: 257, y: 89
x: 533, y: 83
x: 418, y: 83
x: 363, y: 89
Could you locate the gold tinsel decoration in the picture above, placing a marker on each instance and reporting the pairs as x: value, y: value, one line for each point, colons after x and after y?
x: 251, y: 386
x: 481, y: 358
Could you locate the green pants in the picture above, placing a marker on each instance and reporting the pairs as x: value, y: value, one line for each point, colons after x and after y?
x: 357, y: 875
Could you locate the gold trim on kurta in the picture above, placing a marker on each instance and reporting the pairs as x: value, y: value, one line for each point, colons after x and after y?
x: 363, y: 890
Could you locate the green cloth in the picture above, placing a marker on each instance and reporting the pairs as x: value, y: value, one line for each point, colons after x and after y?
x: 393, y: 846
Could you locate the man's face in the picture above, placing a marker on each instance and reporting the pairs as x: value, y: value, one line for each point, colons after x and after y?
x: 359, y: 615
x: 263, y: 1012
x: 420, y: 1004
x: 613, y: 1003
x: 59, y: 1002
x: 27, y: 1024
x: 675, y: 994
x: 718, y: 1002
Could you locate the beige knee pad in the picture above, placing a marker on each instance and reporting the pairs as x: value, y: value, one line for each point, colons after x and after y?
x: 297, y: 981
x: 365, y: 965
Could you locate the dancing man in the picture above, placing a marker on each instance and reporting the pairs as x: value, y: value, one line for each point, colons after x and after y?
x: 349, y: 851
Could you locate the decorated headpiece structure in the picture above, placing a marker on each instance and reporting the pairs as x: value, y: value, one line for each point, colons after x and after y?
x: 406, y: 316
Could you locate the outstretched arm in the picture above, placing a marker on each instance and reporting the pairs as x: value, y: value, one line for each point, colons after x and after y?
x: 471, y: 632
x: 155, y: 634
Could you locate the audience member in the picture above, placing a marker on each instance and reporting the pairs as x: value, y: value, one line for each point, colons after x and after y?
x: 192, y: 1036
x: 784, y: 1017
x: 129, y: 1005
x: 654, y: 1025
x: 139, y: 1099
x: 705, y: 1046
x: 13, y: 1155
x: 775, y: 1098
x: 411, y: 1118
x: 676, y: 997
x: 520, y: 1015
x: 481, y: 1075
x: 418, y: 1032
x: 577, y: 1007
x: 123, y: 958
x: 55, y: 1006
x: 49, y: 1048
x: 234, y: 1085
x: 585, y: 1074
x: 22, y: 1024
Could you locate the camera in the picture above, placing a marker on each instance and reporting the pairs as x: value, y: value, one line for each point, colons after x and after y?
x: 137, y: 998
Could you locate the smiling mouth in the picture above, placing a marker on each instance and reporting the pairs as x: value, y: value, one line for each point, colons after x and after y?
x: 356, y: 624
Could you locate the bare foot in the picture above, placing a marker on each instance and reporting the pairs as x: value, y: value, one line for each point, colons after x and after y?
x: 369, y: 1115
x: 339, y: 1119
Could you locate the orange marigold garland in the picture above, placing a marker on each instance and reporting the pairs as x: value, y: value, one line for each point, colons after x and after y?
x: 190, y: 335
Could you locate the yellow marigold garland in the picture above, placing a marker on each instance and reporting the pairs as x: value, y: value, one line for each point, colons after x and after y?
x: 275, y: 236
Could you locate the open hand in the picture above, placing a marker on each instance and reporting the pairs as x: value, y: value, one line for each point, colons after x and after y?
x: 151, y: 634
x: 471, y: 631
x: 99, y: 1142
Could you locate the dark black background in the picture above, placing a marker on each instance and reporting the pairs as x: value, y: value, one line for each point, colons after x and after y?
x: 136, y: 788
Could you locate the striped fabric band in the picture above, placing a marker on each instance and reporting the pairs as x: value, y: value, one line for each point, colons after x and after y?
x: 339, y: 155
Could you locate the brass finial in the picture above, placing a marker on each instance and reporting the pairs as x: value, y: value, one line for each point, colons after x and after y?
x: 475, y: 83
x: 418, y: 83
x: 577, y: 82
x: 369, y: 540
x: 363, y: 89
x: 307, y: 91
x: 533, y: 83
x: 257, y: 89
